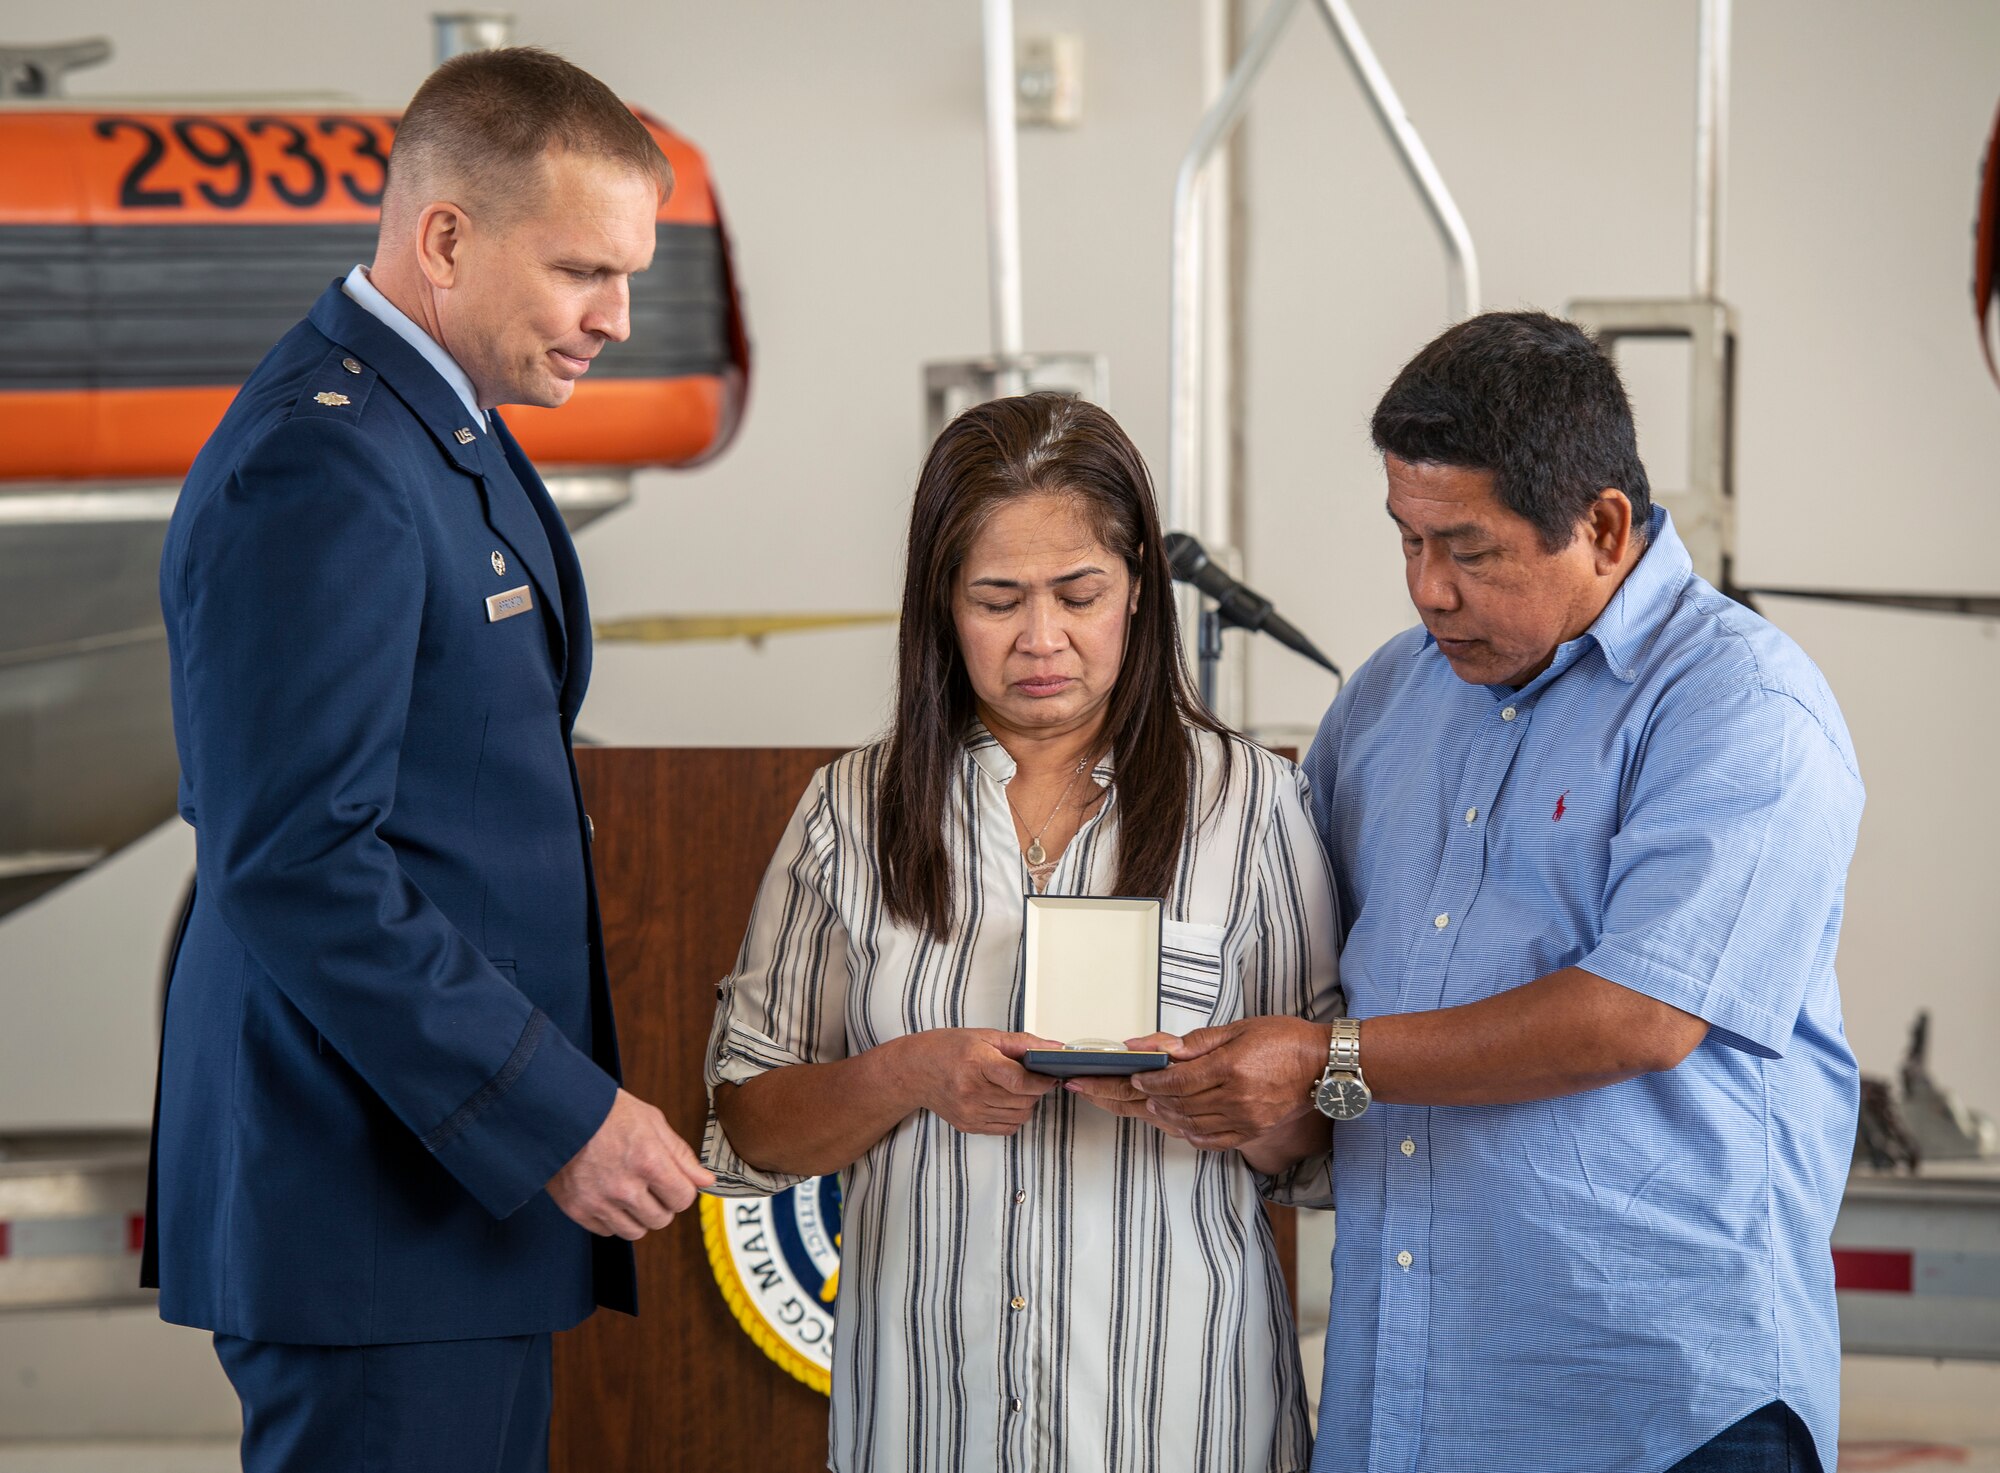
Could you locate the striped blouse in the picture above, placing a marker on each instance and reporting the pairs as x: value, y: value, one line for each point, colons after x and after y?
x: 1089, y: 1294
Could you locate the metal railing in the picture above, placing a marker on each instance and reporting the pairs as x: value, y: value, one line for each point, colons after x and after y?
x: 1711, y: 146
x: 1188, y: 504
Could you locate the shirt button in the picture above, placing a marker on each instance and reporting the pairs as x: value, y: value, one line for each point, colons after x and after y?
x: 1441, y: 922
x: 1017, y: 1403
x: 1019, y: 1198
x: 1409, y: 1148
x: 1508, y: 713
x: 1017, y: 1302
x: 1403, y: 1259
x: 1471, y: 814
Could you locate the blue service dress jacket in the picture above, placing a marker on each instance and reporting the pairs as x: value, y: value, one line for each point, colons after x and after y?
x: 388, y: 1022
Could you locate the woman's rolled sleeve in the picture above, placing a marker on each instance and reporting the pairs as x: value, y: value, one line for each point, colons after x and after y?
x: 786, y: 1001
x: 1307, y: 1183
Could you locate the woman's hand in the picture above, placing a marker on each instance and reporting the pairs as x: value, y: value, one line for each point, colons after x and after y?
x: 1277, y: 1151
x: 1117, y: 1095
x: 816, y: 1119
x: 972, y: 1079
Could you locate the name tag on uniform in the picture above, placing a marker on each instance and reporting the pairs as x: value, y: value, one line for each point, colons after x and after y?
x: 507, y: 605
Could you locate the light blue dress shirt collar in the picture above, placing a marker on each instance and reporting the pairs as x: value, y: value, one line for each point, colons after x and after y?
x: 1640, y: 607
x: 367, y: 296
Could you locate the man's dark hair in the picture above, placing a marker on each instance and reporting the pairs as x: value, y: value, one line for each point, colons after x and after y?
x: 1534, y: 400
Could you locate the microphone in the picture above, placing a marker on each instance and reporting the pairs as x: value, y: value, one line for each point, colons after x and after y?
x: 1243, y: 607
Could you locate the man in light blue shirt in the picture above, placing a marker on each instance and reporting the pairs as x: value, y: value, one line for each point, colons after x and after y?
x: 1590, y: 825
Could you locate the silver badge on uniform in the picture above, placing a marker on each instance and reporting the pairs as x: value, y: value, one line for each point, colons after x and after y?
x: 507, y: 605
x: 499, y: 564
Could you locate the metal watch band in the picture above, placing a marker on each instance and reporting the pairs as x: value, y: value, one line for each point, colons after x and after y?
x: 1343, y: 1049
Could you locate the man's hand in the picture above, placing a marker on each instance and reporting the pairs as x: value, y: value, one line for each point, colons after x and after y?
x: 972, y: 1079
x: 632, y: 1176
x: 1232, y: 1084
x: 1117, y: 1095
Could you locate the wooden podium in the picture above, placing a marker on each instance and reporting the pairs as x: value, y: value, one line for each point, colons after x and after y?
x: 682, y: 838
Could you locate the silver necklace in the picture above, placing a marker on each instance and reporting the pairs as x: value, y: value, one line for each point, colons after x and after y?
x: 1037, y: 856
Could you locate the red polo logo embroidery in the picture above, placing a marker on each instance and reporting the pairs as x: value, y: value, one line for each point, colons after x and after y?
x: 1561, y: 807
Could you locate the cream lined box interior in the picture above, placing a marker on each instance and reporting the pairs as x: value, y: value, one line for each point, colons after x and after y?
x: 1090, y: 979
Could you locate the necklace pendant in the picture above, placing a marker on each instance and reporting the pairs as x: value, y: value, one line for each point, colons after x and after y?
x: 1036, y: 855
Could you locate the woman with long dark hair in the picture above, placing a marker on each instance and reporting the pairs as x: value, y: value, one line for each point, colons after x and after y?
x: 1033, y: 1275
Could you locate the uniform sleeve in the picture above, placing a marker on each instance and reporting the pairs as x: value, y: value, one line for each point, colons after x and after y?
x: 1729, y: 868
x: 300, y: 613
x: 1291, y: 966
x: 786, y: 1001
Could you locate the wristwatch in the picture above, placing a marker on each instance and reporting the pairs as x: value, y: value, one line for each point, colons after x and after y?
x: 1342, y: 1094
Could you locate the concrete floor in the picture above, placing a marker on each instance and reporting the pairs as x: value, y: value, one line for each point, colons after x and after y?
x: 118, y: 1457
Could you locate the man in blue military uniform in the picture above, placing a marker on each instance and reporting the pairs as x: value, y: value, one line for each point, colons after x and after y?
x: 391, y: 1152
x: 1590, y: 824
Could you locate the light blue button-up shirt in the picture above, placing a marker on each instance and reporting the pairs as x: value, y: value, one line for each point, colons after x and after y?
x: 1601, y: 1282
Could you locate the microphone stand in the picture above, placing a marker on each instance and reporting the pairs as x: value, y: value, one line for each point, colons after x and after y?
x: 1215, y: 618
x: 1225, y: 603
x: 1208, y: 649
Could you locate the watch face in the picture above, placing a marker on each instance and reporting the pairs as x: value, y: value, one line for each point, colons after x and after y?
x: 1343, y: 1097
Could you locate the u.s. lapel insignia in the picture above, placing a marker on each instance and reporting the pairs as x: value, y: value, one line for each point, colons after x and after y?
x: 499, y: 563
x: 464, y: 437
x: 332, y: 399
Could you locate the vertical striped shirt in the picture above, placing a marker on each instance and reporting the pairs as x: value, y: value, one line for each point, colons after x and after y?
x: 1089, y: 1294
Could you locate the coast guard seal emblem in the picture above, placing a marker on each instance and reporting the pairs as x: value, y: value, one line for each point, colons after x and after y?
x: 777, y: 1262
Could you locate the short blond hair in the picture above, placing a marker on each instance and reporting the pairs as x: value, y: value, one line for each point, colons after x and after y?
x: 482, y: 123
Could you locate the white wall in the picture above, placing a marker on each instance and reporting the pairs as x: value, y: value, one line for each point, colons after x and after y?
x: 1867, y: 425
x: 845, y: 142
